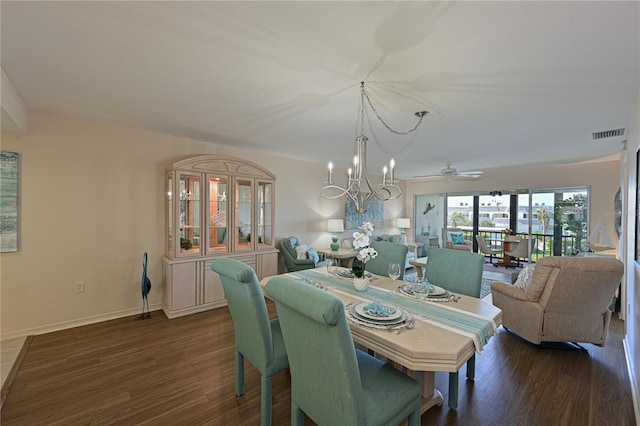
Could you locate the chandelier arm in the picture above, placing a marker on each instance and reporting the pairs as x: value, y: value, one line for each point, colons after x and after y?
x: 384, y: 123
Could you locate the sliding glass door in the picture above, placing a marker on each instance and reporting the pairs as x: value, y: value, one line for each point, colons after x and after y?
x: 555, y: 219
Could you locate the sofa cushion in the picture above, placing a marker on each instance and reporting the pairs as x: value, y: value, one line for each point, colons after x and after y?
x: 301, y: 251
x: 313, y: 254
x: 457, y: 238
x: 524, y: 277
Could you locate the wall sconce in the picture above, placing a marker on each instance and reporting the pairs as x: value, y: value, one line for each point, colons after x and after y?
x: 335, y: 225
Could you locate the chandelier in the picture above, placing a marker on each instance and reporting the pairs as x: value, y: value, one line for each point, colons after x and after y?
x: 359, y: 187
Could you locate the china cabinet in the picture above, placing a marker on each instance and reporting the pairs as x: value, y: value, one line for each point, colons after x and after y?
x: 217, y: 206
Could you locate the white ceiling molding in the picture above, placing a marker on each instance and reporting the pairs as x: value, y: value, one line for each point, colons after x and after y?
x: 15, y: 114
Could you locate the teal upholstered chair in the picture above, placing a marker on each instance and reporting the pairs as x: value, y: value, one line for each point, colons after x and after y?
x: 459, y: 272
x: 288, y: 249
x: 257, y: 338
x: 387, y: 253
x: 331, y: 381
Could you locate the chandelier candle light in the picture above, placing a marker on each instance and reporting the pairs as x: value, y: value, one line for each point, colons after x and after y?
x: 359, y: 188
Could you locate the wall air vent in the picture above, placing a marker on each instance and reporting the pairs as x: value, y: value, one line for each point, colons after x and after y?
x: 608, y: 134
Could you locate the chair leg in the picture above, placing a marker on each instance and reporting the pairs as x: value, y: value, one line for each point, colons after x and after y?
x: 453, y: 390
x: 239, y: 374
x: 414, y: 418
x: 471, y: 368
x: 265, y: 401
x: 297, y: 416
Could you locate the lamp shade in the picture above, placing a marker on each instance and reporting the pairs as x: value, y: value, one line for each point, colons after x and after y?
x: 335, y: 225
x: 403, y: 223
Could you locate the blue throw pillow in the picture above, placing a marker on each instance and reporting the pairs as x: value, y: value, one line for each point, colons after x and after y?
x: 313, y: 254
x: 457, y: 238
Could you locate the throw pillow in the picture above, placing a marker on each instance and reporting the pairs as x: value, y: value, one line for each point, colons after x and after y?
x: 313, y: 254
x: 524, y: 277
x: 457, y: 238
x: 301, y: 251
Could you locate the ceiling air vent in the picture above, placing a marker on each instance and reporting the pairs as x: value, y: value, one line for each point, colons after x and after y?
x: 608, y: 134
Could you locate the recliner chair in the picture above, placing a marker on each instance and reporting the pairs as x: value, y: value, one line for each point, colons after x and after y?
x: 567, y: 301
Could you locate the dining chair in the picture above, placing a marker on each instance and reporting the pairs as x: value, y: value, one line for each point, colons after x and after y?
x: 459, y: 272
x: 521, y: 250
x: 257, y: 338
x: 387, y: 253
x: 486, y: 249
x: 331, y: 381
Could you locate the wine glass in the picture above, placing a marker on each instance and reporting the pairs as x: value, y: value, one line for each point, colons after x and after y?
x: 331, y: 264
x: 394, y: 272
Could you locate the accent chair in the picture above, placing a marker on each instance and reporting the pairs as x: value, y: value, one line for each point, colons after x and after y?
x: 486, y: 249
x: 459, y: 272
x: 257, y: 338
x: 331, y: 381
x: 387, y: 253
x: 567, y: 300
x: 521, y: 250
x: 297, y: 256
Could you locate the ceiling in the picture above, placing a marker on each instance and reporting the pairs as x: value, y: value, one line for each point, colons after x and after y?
x: 507, y: 84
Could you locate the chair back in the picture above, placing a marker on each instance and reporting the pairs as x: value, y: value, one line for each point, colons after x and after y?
x: 249, y: 314
x: 575, y: 284
x: 521, y: 250
x: 387, y: 253
x: 482, y: 244
x: 455, y: 270
x: 288, y: 246
x: 325, y: 378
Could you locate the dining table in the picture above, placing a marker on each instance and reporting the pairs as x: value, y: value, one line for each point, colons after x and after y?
x: 438, y: 335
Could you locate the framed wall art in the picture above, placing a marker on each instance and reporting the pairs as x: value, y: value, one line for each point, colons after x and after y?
x: 374, y: 214
x: 9, y: 214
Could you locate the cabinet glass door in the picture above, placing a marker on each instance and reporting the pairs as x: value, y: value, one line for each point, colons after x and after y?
x: 218, y: 214
x: 265, y: 208
x: 189, y: 214
x: 244, y: 208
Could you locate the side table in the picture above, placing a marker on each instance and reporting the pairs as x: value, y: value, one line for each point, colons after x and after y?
x: 345, y: 257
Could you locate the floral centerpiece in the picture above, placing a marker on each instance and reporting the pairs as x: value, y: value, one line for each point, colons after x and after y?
x: 507, y: 231
x: 361, y: 241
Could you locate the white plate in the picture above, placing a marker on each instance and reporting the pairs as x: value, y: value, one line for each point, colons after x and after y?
x: 435, y: 290
x: 362, y: 312
x: 402, y: 318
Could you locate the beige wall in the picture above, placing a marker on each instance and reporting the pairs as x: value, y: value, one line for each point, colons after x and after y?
x: 92, y: 200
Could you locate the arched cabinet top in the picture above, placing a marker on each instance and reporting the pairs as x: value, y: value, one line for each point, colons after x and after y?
x: 232, y: 166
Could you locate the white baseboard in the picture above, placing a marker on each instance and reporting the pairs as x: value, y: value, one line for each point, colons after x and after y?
x: 76, y: 323
x: 635, y: 385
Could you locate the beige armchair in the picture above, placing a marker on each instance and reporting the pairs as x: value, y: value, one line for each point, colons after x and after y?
x: 567, y: 300
x: 451, y: 243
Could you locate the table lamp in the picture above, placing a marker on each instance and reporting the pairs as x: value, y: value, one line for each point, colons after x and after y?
x: 335, y: 225
x: 403, y: 223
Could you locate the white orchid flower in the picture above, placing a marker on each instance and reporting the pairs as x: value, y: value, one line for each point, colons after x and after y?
x: 367, y: 228
x: 360, y: 240
x: 367, y: 254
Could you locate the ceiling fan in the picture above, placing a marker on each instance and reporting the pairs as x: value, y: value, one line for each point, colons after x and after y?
x: 451, y: 173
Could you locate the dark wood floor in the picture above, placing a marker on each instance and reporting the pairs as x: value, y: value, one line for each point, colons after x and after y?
x: 181, y: 372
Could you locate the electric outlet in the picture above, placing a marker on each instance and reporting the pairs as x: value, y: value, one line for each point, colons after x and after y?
x: 80, y: 287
